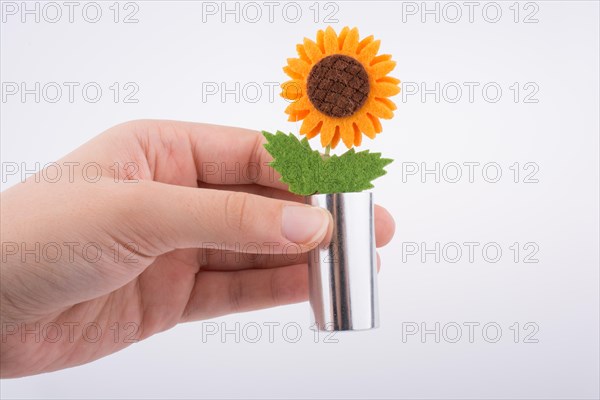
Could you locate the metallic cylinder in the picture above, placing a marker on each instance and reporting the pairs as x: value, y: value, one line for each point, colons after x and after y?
x: 343, y: 269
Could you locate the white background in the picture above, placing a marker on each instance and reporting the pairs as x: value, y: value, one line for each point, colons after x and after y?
x: 171, y: 52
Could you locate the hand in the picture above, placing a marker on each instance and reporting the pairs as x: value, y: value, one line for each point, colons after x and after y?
x: 150, y: 224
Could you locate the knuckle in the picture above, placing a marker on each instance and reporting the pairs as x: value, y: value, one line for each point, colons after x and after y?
x: 132, y: 128
x: 236, y: 293
x: 259, y: 153
x: 236, y: 210
x: 275, y: 286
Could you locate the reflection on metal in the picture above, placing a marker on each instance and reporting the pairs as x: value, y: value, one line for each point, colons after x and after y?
x: 343, y: 270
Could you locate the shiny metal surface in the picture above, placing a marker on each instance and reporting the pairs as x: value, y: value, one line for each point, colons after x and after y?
x: 343, y: 271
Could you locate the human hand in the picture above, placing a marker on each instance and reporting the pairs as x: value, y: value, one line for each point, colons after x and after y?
x: 184, y: 222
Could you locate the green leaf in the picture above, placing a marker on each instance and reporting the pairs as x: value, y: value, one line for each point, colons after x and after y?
x: 306, y: 171
x: 295, y: 161
x: 352, y: 171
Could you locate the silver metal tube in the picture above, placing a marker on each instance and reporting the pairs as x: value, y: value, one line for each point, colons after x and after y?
x: 343, y: 270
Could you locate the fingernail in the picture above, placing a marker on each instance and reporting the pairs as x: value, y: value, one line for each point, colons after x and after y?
x: 304, y: 224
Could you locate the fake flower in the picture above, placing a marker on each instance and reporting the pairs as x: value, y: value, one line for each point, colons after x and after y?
x: 340, y: 87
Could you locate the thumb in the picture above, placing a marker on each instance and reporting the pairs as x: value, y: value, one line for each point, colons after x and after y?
x: 183, y: 217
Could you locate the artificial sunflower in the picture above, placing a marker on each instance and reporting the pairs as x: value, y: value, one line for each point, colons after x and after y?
x: 340, y: 87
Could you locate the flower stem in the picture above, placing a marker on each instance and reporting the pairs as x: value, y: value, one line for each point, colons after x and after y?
x: 327, y: 150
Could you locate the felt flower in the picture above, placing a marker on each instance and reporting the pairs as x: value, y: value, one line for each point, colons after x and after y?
x: 340, y: 87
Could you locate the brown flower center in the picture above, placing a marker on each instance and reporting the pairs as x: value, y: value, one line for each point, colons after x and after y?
x: 338, y: 86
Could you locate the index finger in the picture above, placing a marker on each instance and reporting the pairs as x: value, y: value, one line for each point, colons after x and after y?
x: 227, y: 155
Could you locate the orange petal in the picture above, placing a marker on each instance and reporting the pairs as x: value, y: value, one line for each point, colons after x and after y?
x: 299, y: 66
x: 357, y: 132
x: 388, y: 79
x: 382, y: 68
x: 312, y: 50
x: 346, y: 131
x: 364, y: 43
x: 336, y: 137
x: 369, y: 52
x: 381, y: 110
x: 351, y: 41
x: 376, y: 123
x: 315, y: 131
x: 348, y: 138
x: 380, y: 58
x: 298, y: 115
x: 384, y: 89
x: 327, y: 132
x: 310, y: 122
x: 331, y: 41
x: 387, y: 102
x: 366, y: 126
x: 302, y: 53
x: 342, y: 37
x: 291, y: 90
x: 357, y: 136
x: 292, y: 74
x: 301, y: 104
x: 321, y: 40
